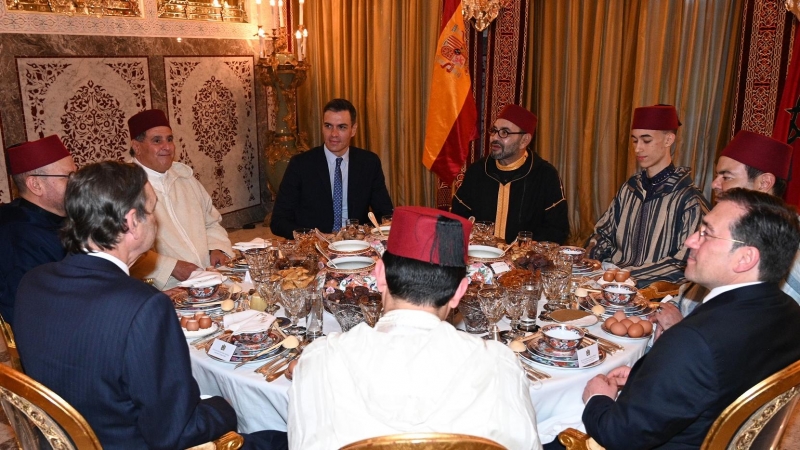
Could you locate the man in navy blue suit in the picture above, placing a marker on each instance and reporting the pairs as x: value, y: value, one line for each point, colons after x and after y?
x: 311, y: 196
x: 740, y: 334
x: 109, y: 344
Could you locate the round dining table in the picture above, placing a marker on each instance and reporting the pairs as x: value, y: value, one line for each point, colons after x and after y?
x: 262, y: 405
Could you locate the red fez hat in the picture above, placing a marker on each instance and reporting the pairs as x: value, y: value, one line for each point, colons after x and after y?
x: 657, y: 117
x: 145, y: 120
x: 35, y: 154
x: 429, y: 235
x: 520, y: 117
x: 760, y: 152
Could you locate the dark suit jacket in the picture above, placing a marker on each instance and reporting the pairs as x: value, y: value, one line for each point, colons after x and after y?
x: 112, y: 347
x: 305, y: 199
x: 697, y: 368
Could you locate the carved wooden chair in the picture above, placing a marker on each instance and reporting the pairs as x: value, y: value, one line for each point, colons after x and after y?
x: 759, y: 415
x: 11, y: 345
x: 425, y: 441
x: 42, y: 419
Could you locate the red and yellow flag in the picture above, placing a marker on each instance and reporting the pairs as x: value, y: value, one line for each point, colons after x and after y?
x: 452, y: 115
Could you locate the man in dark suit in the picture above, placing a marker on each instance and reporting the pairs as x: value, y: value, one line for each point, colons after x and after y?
x: 107, y: 343
x: 741, y: 334
x: 329, y: 184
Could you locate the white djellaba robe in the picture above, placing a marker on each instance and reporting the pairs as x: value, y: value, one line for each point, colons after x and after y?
x: 411, y: 373
x: 188, y: 226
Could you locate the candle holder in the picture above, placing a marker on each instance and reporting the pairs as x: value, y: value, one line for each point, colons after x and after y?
x: 281, y: 70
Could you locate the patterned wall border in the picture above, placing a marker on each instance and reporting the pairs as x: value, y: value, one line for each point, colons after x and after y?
x: 5, y: 179
x: 148, y: 26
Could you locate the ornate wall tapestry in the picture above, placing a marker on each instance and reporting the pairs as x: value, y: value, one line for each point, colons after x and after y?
x: 5, y: 182
x: 86, y: 101
x: 212, y: 111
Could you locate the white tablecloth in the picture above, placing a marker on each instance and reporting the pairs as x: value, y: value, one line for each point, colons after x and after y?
x: 263, y: 406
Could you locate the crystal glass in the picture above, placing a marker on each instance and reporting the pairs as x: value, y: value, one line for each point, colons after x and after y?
x: 304, y: 239
x: 269, y: 291
x: 491, y: 300
x: 372, y: 309
x: 514, y: 302
x: 483, y: 232
x: 474, y: 319
x: 347, y: 315
x: 260, y: 262
x: 525, y: 240
x: 294, y: 301
x: 554, y: 283
x: 548, y: 249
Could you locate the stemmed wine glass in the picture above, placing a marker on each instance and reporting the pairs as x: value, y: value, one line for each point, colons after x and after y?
x: 514, y: 302
x: 554, y: 282
x: 269, y: 292
x: 372, y: 310
x: 294, y: 301
x: 491, y: 300
x: 347, y: 315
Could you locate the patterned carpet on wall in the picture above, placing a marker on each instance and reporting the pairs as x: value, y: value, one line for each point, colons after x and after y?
x: 5, y: 182
x: 86, y: 101
x: 212, y: 111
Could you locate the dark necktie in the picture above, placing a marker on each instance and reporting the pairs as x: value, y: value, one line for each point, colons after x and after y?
x: 337, y: 196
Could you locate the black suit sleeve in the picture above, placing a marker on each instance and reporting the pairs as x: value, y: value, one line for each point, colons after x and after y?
x: 380, y: 202
x: 284, y: 219
x: 666, y: 392
x: 159, y: 376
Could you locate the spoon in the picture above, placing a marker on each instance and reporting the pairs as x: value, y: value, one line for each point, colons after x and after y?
x: 471, y: 219
x: 374, y: 221
x: 509, y: 247
x: 289, y: 342
x: 518, y: 347
x: 321, y: 236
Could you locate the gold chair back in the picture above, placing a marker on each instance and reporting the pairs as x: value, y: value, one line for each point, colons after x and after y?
x: 11, y: 345
x: 744, y: 420
x: 40, y: 417
x: 425, y: 441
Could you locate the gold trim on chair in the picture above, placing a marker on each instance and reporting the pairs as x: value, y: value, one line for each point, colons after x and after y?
x: 742, y: 421
x: 11, y: 345
x: 425, y: 441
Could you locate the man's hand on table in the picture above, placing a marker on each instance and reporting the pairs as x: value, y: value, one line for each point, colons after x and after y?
x: 183, y: 269
x: 600, y: 385
x: 668, y: 316
x: 218, y: 258
x: 620, y: 375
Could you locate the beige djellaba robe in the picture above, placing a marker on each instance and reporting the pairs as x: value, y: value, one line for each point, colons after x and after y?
x: 188, y: 226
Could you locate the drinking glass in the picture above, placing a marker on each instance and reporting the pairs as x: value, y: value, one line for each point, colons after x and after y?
x: 525, y: 240
x: 354, y: 230
x: 347, y: 315
x: 514, y: 303
x: 474, y: 319
x: 269, y: 292
x: 483, y: 232
x: 491, y: 300
x: 304, y: 240
x: 554, y: 283
x: 372, y: 310
x: 548, y: 249
x: 260, y: 262
x: 532, y: 290
x: 294, y: 301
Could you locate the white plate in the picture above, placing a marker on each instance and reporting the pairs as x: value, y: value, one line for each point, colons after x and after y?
x: 484, y: 252
x: 603, y: 282
x: 201, y: 332
x: 384, y: 229
x: 626, y: 337
x: 352, y: 263
x: 349, y: 246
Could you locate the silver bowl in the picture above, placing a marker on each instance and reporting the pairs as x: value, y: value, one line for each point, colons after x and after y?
x: 562, y: 337
x: 619, y: 293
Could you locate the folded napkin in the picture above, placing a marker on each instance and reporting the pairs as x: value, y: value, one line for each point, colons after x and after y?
x: 250, y: 321
x: 202, y: 278
x: 583, y: 321
x: 255, y: 243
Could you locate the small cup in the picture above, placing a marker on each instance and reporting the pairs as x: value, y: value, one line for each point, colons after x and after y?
x: 622, y: 275
x: 619, y: 293
x: 562, y: 337
x: 204, y: 322
x: 192, y: 325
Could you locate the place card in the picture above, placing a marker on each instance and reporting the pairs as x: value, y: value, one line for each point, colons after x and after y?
x: 588, y: 355
x: 223, y: 350
x: 500, y: 267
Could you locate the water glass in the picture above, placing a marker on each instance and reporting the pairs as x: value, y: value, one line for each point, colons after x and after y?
x: 554, y: 283
x: 483, y: 232
x: 514, y: 302
x: 533, y: 292
x: 260, y: 262
x: 491, y: 300
x: 347, y: 315
x: 295, y: 301
x: 525, y: 240
x: 474, y: 319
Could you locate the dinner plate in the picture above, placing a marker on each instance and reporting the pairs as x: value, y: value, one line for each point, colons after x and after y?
x: 626, y: 337
x: 569, y: 365
x: 236, y: 358
x: 349, y: 247
x: 479, y: 252
x: 201, y: 332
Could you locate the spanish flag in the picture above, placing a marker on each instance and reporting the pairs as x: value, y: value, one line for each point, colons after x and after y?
x: 452, y: 115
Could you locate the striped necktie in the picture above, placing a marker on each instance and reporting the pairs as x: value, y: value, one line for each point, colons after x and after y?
x: 337, y: 196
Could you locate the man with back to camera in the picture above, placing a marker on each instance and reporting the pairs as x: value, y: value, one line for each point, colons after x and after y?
x: 749, y: 161
x: 413, y: 372
x: 325, y: 186
x: 190, y: 236
x: 29, y: 224
x: 513, y: 186
x: 654, y: 211
x: 674, y: 393
x: 107, y: 343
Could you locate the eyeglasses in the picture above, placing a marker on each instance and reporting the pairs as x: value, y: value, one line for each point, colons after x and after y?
x: 504, y: 132
x: 705, y: 234
x: 69, y: 175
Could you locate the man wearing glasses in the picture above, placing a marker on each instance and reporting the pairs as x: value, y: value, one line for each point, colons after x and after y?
x: 737, y: 337
x: 654, y: 211
x: 514, y: 187
x: 29, y: 224
x: 749, y: 161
